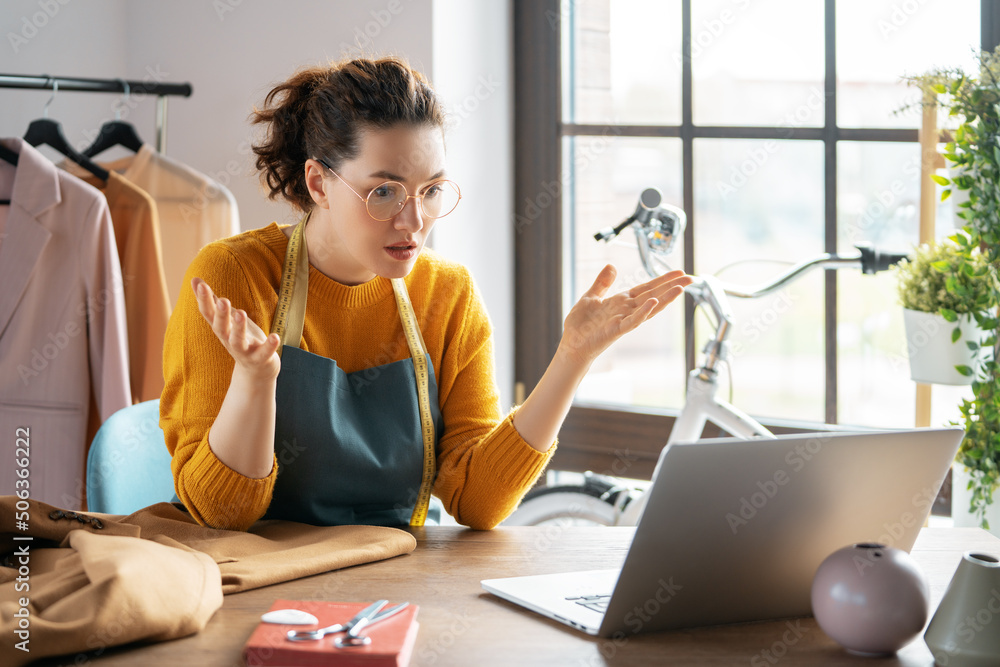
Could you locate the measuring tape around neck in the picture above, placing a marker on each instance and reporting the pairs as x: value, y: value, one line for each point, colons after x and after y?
x: 289, y: 316
x: 418, y: 351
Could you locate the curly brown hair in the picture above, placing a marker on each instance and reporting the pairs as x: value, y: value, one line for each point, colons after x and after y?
x: 319, y: 111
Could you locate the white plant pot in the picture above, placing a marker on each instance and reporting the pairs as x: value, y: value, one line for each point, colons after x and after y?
x: 961, y: 497
x: 933, y: 356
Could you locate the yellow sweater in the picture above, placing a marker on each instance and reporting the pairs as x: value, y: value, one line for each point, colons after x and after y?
x: 484, y: 466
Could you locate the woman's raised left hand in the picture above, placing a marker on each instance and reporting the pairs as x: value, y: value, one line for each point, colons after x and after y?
x: 596, y: 321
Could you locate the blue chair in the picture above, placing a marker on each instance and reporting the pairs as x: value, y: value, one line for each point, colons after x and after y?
x: 128, y: 466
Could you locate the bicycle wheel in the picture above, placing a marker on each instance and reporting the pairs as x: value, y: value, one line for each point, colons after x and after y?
x: 593, y: 503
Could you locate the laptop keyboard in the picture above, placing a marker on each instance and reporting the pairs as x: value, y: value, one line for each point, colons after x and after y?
x: 598, y: 603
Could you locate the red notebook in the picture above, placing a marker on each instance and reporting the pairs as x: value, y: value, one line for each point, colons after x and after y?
x: 392, y: 639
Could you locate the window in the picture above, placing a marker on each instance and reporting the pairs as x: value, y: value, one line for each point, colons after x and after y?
x: 772, y: 124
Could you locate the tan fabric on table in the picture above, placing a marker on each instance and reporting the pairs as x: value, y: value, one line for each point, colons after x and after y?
x: 156, y: 573
x: 106, y: 590
x: 147, y: 305
x: 194, y: 209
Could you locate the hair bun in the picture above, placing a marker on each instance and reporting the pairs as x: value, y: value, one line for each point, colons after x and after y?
x: 319, y: 111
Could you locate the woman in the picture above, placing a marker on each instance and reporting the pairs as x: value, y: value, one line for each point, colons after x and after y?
x: 343, y: 422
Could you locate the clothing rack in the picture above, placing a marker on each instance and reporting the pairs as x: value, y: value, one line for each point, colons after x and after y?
x: 61, y: 83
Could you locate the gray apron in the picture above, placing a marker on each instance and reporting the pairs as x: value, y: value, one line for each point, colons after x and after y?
x: 350, y: 446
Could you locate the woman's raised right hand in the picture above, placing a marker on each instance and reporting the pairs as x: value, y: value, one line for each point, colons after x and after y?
x: 255, y: 352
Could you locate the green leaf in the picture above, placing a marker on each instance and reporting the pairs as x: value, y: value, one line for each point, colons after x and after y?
x: 964, y: 370
x: 939, y: 88
x: 940, y: 180
x: 948, y: 314
x: 956, y: 333
x: 945, y: 194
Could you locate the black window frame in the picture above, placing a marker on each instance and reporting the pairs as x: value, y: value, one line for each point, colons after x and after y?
x: 607, y: 438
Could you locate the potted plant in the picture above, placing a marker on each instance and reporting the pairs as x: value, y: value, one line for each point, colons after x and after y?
x: 972, y: 101
x: 934, y: 348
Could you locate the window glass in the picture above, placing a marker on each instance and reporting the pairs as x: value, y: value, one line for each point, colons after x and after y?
x: 626, y: 62
x: 879, y: 41
x: 878, y: 204
x: 645, y: 367
x: 757, y: 63
x: 759, y: 209
x: 759, y: 204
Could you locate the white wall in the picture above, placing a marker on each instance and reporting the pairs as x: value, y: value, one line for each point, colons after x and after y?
x: 234, y: 56
x: 51, y: 38
x: 473, y: 72
x: 234, y: 51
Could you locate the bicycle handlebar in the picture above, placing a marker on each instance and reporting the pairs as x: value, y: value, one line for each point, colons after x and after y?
x: 655, y: 232
x: 873, y: 260
x: 869, y: 259
x: 609, y: 233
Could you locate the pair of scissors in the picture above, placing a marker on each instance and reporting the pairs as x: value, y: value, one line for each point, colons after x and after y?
x: 373, y: 613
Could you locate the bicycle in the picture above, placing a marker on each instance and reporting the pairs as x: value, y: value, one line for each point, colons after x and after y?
x: 608, y: 501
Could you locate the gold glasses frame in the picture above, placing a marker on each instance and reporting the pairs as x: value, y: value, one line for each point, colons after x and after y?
x: 418, y: 197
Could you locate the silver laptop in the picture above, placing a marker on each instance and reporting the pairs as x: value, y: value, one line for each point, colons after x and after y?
x: 734, y: 530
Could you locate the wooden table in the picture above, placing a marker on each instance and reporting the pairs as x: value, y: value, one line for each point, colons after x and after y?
x: 460, y: 624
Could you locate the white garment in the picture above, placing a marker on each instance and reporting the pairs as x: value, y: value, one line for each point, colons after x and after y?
x: 194, y: 210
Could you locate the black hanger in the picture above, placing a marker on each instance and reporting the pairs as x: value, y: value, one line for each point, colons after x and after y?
x: 49, y: 132
x: 8, y: 156
x: 116, y: 133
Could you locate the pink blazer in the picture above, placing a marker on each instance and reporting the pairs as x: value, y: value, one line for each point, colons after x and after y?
x: 62, y: 326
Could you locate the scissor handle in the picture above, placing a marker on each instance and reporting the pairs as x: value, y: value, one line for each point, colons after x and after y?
x: 313, y: 635
x: 348, y: 641
x: 353, y: 636
x: 370, y: 614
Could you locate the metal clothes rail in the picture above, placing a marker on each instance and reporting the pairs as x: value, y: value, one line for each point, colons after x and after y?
x: 68, y: 83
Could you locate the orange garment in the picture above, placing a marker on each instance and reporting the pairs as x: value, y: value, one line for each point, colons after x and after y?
x: 137, y: 234
x: 484, y: 466
x: 194, y: 209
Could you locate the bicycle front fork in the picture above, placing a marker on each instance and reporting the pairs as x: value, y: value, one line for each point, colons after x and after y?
x: 702, y: 405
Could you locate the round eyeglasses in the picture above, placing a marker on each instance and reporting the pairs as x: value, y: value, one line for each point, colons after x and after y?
x: 385, y: 201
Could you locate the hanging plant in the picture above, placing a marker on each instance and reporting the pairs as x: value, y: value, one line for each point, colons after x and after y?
x: 972, y: 101
x: 934, y: 291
